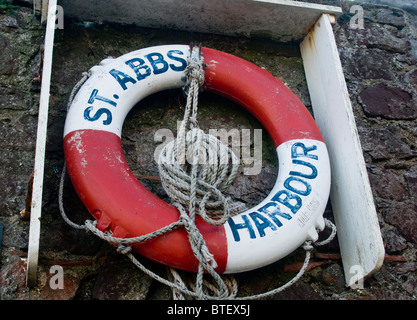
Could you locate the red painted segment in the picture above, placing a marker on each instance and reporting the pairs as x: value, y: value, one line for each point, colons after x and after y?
x: 114, y: 196
x: 279, y: 110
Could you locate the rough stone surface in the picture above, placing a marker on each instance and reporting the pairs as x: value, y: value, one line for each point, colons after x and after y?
x: 389, y: 102
x: 403, y: 217
x: 111, y: 285
x: 411, y: 178
x: 389, y: 184
x: 380, y: 68
x: 48, y: 290
x: 389, y: 142
x: 383, y: 37
x: 368, y: 64
x: 13, y: 278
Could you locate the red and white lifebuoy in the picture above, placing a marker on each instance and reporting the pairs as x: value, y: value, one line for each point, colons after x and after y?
x: 291, y: 214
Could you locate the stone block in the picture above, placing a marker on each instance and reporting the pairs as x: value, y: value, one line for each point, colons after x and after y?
x: 388, y: 184
x: 404, y: 218
x: 389, y: 102
x: 118, y: 282
x: 367, y: 64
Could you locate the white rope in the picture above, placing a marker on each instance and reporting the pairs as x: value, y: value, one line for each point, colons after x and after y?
x: 195, y: 170
x: 197, y: 186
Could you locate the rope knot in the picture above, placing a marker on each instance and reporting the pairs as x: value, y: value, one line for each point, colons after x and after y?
x: 196, y: 239
x: 307, y: 246
x: 194, y: 70
x: 195, y: 170
x: 123, y: 249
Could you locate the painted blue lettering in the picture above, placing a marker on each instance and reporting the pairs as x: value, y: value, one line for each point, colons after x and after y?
x: 271, y: 215
x: 313, y: 174
x: 141, y: 69
x: 272, y: 210
x: 286, y: 200
x: 288, y: 186
x: 97, y: 115
x: 122, y: 78
x: 183, y: 62
x: 261, y: 223
x: 159, y: 65
x: 305, y: 151
x: 94, y: 96
x: 235, y: 227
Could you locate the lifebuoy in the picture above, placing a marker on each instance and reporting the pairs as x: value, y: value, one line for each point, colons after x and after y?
x: 291, y: 214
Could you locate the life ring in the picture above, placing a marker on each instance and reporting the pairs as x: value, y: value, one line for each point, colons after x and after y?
x: 291, y: 214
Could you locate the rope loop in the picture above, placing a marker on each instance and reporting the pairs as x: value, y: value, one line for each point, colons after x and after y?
x: 196, y: 168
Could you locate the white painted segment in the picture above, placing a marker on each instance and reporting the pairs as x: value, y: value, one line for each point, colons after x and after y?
x: 351, y: 196
x: 290, y: 215
x: 36, y: 208
x: 280, y: 20
x: 116, y: 85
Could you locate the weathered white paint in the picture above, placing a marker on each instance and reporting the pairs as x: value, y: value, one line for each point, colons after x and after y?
x: 351, y: 196
x: 280, y: 20
x: 36, y: 208
x: 102, y: 81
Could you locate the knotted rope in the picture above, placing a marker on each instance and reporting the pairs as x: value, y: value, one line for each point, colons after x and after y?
x: 195, y: 170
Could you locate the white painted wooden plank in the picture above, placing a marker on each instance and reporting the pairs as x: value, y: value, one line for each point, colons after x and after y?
x: 351, y: 196
x: 280, y: 20
x: 36, y: 208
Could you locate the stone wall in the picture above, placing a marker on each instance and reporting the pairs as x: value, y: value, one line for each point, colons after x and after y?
x: 380, y: 68
x: 379, y: 62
